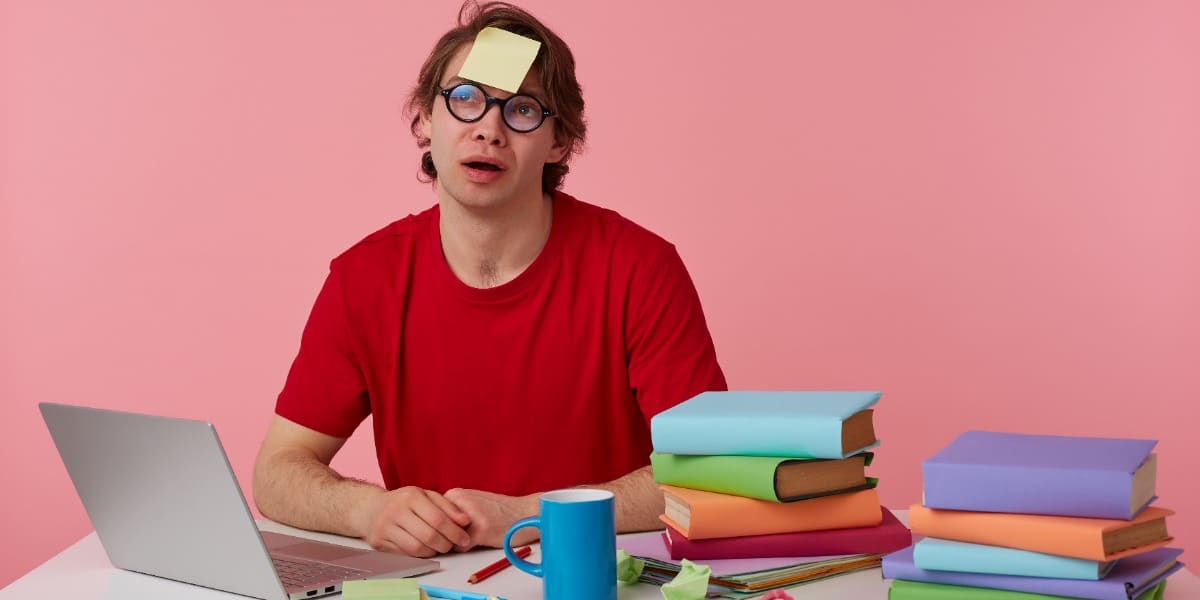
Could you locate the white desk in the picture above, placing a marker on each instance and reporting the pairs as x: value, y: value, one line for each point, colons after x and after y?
x: 83, y: 572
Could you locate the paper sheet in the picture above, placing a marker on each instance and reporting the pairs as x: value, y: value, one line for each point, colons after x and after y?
x: 651, y: 545
x: 500, y: 59
x: 381, y: 589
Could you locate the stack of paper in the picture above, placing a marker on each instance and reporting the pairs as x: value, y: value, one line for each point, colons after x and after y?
x: 742, y: 577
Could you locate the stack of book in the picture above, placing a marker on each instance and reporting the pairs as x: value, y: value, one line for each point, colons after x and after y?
x: 1021, y: 517
x: 758, y: 474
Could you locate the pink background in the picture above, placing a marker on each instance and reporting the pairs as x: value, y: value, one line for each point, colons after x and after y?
x: 990, y: 211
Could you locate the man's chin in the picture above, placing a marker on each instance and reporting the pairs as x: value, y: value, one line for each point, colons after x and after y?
x: 480, y: 197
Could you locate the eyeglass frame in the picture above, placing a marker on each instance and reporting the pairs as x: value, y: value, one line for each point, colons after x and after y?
x: 488, y: 101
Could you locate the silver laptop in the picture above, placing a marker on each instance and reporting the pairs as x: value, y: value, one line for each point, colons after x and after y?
x: 165, y: 502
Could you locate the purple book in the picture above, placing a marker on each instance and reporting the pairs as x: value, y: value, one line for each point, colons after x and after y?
x: 1042, y: 474
x: 1131, y: 576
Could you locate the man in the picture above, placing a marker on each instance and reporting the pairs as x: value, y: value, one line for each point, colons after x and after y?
x: 507, y: 341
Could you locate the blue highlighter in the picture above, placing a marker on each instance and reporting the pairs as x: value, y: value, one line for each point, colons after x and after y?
x: 447, y: 594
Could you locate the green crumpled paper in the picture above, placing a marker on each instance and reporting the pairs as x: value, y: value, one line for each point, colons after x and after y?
x: 690, y: 584
x: 628, y: 567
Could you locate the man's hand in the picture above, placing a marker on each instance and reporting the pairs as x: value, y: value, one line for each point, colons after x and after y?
x: 492, y: 514
x: 417, y: 522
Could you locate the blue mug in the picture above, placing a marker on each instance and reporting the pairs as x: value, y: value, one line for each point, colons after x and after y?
x: 579, y: 545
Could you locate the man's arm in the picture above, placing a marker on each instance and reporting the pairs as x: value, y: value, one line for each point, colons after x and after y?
x: 637, y: 503
x: 294, y: 484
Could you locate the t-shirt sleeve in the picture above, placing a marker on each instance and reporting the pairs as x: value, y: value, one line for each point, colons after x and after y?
x: 671, y: 353
x: 325, y: 388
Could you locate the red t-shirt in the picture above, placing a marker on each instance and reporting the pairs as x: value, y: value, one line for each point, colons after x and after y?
x: 547, y: 381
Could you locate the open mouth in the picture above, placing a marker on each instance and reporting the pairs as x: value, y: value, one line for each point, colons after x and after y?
x: 483, y: 166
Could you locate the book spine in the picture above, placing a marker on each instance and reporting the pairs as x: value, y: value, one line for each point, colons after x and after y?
x: 1029, y: 490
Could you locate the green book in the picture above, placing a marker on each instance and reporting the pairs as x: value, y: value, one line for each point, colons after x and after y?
x: 915, y: 590
x: 768, y: 478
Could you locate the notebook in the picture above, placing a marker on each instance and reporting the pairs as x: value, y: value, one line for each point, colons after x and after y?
x: 164, y: 502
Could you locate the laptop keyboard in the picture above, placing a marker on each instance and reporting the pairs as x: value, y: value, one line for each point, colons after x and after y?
x: 303, y: 574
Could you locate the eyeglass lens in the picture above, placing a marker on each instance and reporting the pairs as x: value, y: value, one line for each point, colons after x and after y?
x: 467, y: 102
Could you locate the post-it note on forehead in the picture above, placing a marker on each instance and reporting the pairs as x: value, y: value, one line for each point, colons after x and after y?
x: 500, y: 59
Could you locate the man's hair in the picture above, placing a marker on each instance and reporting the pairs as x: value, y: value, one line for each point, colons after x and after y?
x: 554, y: 65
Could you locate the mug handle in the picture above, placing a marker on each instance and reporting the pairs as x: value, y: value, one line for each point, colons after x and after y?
x: 518, y: 562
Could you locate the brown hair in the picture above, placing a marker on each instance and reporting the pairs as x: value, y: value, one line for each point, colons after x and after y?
x: 554, y: 65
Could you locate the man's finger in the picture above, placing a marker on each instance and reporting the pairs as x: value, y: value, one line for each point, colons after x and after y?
x: 459, y: 515
x: 409, y: 544
x: 440, y: 524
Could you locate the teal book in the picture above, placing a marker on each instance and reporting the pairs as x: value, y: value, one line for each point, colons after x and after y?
x: 915, y: 590
x: 787, y: 424
x: 947, y: 555
x: 764, y: 477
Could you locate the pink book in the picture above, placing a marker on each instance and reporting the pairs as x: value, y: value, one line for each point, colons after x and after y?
x: 888, y: 536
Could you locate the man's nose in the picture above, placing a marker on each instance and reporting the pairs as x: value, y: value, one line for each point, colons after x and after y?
x: 490, y: 129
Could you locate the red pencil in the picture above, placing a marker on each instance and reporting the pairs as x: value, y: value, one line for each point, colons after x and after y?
x: 498, y: 566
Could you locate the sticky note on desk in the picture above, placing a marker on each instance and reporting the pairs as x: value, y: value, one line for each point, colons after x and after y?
x: 500, y: 59
x: 381, y: 589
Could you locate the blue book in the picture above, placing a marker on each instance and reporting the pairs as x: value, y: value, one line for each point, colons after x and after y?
x: 793, y: 424
x: 1129, y: 578
x: 935, y: 554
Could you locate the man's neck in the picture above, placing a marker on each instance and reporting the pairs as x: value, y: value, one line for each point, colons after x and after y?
x: 488, y: 248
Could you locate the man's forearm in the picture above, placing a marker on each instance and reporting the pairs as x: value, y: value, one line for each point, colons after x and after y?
x: 638, y: 501
x: 295, y: 488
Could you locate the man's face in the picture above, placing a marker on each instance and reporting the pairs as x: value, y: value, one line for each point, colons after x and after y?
x: 485, y: 164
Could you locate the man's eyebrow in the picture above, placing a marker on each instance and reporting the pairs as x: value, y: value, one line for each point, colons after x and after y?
x: 536, y: 91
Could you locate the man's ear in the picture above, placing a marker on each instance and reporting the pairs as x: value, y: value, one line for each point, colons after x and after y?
x: 426, y: 125
x: 558, y: 151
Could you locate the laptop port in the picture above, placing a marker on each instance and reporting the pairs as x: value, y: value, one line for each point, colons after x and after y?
x: 330, y: 589
x: 312, y: 593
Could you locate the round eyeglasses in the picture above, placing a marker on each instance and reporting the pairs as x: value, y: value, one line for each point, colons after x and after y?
x: 468, y: 103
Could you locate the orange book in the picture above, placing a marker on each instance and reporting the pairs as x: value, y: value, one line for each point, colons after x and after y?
x: 1077, y: 537
x: 701, y: 515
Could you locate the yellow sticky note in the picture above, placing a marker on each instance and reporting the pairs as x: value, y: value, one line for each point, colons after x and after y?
x: 500, y: 59
x: 381, y: 589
